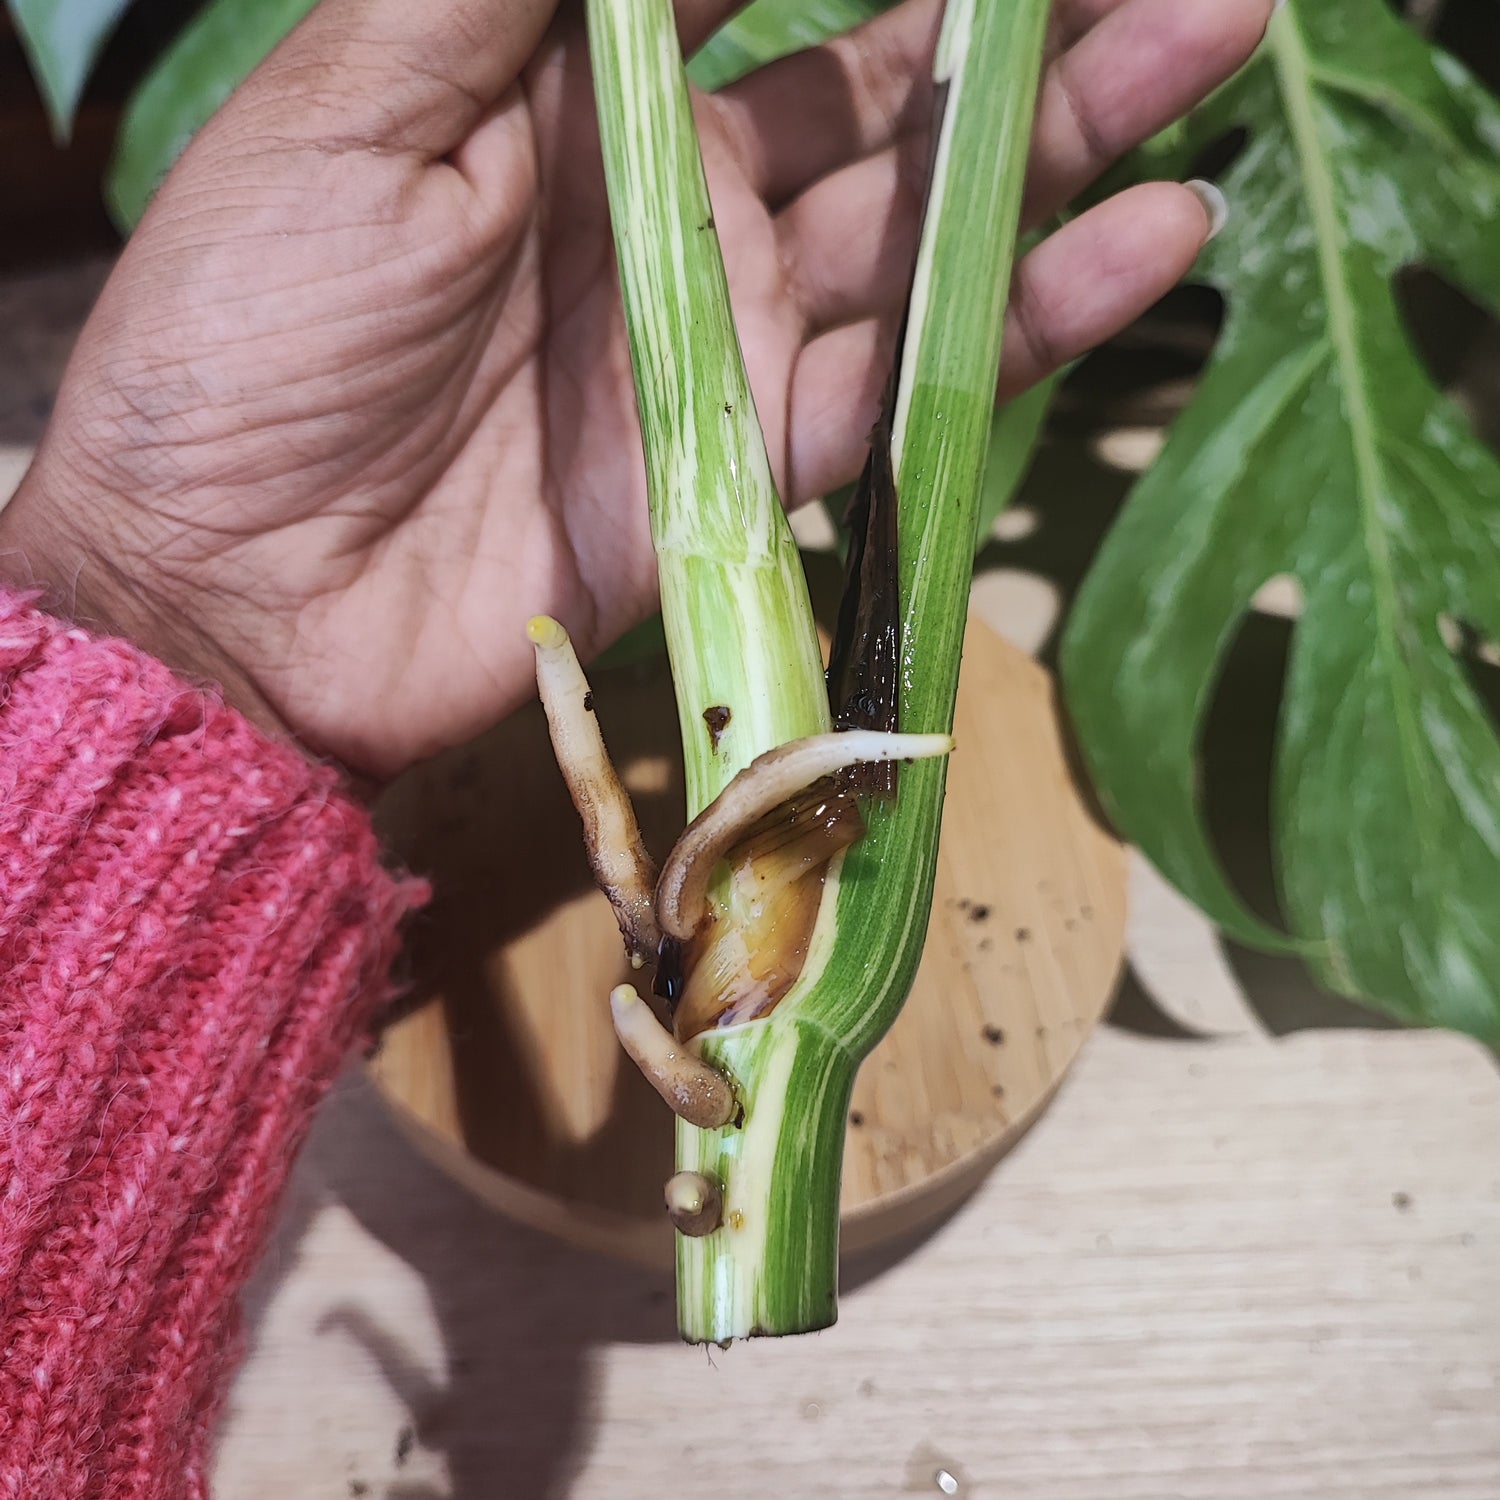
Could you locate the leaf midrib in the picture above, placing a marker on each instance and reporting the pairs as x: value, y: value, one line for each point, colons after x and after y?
x: 1294, y: 75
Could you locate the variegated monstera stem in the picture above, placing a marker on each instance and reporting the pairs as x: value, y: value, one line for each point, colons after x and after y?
x: 739, y: 626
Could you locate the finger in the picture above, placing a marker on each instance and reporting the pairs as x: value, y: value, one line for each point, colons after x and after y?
x: 1096, y: 275
x: 394, y: 76
x: 850, y: 238
x: 847, y: 246
x: 835, y: 399
x: 1145, y: 64
x: 1138, y: 64
x: 697, y: 20
x: 1072, y: 19
x: 792, y: 122
x: 389, y: 76
x: 1082, y: 286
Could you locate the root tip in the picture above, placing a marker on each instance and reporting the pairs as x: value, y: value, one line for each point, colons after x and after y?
x: 545, y: 633
x: 696, y: 1091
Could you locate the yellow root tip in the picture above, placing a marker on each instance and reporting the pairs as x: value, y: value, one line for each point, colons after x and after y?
x: 545, y: 632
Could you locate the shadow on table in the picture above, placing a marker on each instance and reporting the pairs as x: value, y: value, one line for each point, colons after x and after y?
x: 520, y: 1314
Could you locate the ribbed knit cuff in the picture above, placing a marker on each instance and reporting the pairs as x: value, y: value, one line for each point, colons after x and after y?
x: 195, y: 928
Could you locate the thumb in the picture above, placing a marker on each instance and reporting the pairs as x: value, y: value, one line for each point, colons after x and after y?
x: 400, y: 75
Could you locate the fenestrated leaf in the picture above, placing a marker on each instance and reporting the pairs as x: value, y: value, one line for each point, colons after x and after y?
x: 63, y: 39
x: 197, y: 74
x: 1317, y: 446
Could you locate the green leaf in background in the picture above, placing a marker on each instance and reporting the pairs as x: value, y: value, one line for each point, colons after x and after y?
x: 1317, y: 446
x: 768, y: 29
x: 1014, y: 435
x: 63, y: 39
x: 198, y: 73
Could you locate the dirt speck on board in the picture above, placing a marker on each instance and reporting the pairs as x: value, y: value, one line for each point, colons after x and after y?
x: 855, y: 1118
x: 979, y: 912
x: 1401, y: 1202
x: 358, y: 1487
x: 993, y: 1035
x: 406, y: 1440
x: 1023, y: 934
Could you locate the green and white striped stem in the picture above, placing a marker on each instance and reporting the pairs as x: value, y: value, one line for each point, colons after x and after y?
x: 739, y: 624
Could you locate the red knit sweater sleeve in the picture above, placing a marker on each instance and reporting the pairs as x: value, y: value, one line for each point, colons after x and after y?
x: 195, y: 927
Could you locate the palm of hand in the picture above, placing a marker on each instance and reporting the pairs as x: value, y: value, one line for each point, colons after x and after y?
x: 388, y: 415
x: 353, y: 413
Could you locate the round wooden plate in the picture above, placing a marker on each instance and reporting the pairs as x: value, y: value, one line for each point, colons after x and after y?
x: 505, y: 1070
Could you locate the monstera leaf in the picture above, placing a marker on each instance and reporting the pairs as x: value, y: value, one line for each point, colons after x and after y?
x: 767, y: 29
x: 1317, y: 446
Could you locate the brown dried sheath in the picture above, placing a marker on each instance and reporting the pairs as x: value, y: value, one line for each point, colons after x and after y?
x: 864, y: 686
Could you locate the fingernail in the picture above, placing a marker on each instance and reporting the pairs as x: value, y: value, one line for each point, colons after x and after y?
x: 1215, y: 205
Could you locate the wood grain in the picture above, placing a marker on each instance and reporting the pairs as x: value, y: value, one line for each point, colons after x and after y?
x: 1256, y: 1269
x: 508, y: 1074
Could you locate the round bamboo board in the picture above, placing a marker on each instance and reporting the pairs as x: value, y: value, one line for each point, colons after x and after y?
x: 504, y: 1068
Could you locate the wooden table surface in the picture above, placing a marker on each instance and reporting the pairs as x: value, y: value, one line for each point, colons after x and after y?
x: 1252, y: 1252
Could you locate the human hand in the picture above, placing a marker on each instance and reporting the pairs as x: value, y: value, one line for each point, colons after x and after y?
x: 357, y: 401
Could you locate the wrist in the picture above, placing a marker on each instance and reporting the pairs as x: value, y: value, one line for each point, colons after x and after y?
x: 55, y: 539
